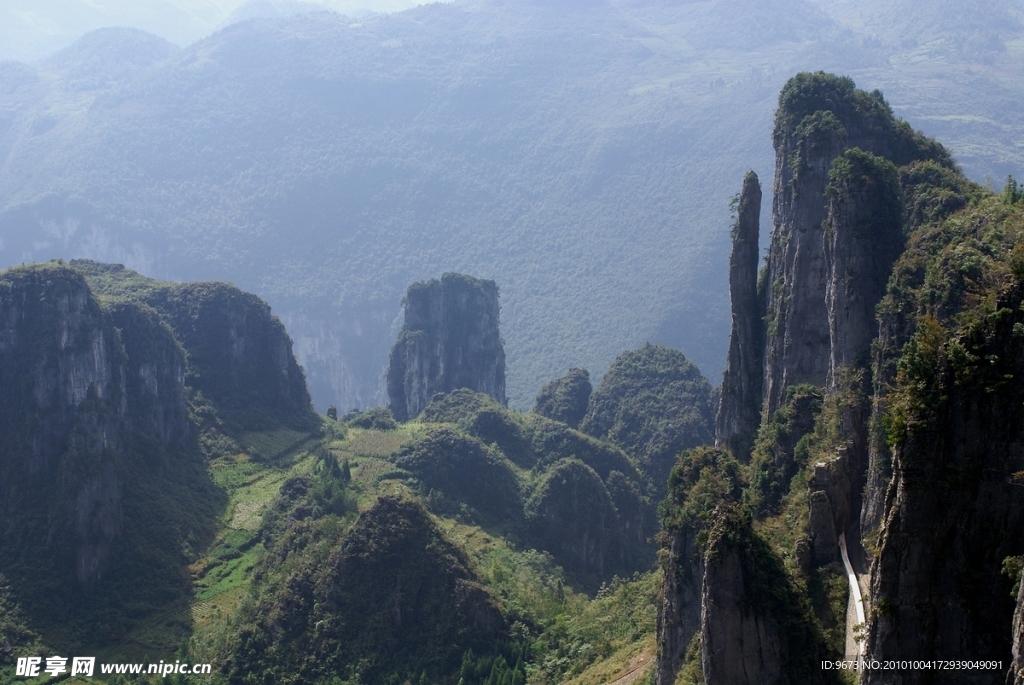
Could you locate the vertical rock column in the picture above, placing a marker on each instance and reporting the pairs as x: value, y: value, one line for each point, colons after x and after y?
x: 679, y: 614
x: 740, y: 410
x: 955, y: 509
x: 864, y: 236
x: 62, y: 418
x: 863, y: 240
x: 798, y: 339
x: 450, y: 340
x: 742, y: 639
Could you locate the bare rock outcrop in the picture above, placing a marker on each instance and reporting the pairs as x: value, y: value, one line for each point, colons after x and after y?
x: 85, y: 390
x: 742, y: 641
x: 739, y: 413
x: 450, y: 340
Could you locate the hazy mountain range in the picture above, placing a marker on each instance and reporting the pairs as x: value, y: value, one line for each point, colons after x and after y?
x: 581, y: 154
x: 31, y: 30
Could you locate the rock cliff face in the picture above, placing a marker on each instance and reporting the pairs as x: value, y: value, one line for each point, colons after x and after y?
x: 930, y: 193
x: 797, y: 346
x: 363, y: 331
x: 239, y: 354
x: 819, y: 117
x: 840, y: 219
x: 99, y: 453
x: 154, y: 375
x: 700, y: 475
x: 62, y: 384
x: 86, y: 393
x: 864, y: 237
x: 450, y: 340
x: 739, y: 413
x: 838, y: 227
x: 679, y: 616
x: 742, y: 641
x: 955, y: 508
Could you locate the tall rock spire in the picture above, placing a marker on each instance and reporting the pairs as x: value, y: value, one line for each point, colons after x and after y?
x: 864, y: 238
x: 798, y: 337
x: 740, y: 410
x: 820, y: 116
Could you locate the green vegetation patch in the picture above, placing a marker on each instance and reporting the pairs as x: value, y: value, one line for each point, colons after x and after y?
x: 455, y: 470
x: 811, y: 103
x: 392, y: 599
x: 375, y: 418
x: 781, y: 448
x: 653, y: 403
x: 565, y: 399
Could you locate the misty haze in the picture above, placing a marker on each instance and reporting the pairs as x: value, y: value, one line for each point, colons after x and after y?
x: 560, y: 341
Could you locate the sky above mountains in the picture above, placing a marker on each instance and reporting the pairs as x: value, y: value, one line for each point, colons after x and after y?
x: 31, y: 29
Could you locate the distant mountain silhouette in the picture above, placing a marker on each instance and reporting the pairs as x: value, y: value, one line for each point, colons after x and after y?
x: 583, y: 160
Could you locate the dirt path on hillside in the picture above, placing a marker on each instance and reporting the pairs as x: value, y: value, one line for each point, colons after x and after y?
x: 637, y: 668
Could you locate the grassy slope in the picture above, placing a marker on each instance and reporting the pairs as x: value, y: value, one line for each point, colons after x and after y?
x: 573, y: 636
